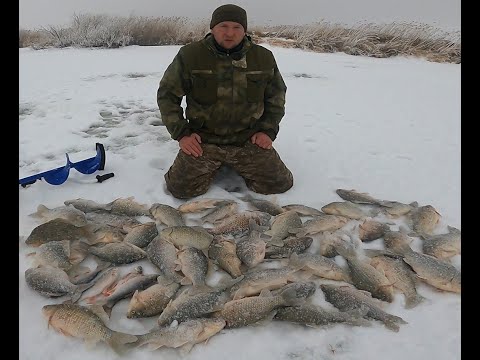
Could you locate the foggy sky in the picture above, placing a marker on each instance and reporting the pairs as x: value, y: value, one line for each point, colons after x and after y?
x: 444, y: 14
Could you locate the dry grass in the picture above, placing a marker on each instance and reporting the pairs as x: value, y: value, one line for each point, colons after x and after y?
x: 364, y: 39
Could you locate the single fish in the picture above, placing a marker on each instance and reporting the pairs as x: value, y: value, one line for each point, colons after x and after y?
x: 68, y: 213
x: 193, y: 263
x: 347, y: 298
x: 220, y: 212
x: 103, y: 218
x: 401, y: 276
x: 443, y: 246
x: 357, y: 197
x: 433, y: 271
x: 163, y: 254
x: 86, y: 205
x: 251, y: 310
x: 364, y: 276
x: 191, y: 305
x: 291, y: 245
x: 320, y: 266
x: 263, y: 205
x: 118, y: 253
x: 87, y: 323
x: 316, y: 315
x: 255, y: 281
x: 251, y: 248
x: 396, y: 209
x: 58, y: 230
x: 187, y: 236
x: 371, y: 230
x: 224, y: 254
x: 53, y: 282
x: 200, y: 205
x: 129, y: 207
x: 141, y: 235
x: 319, y: 224
x: 425, y: 219
x: 153, y: 300
x: 167, y: 215
x: 238, y: 224
x: 281, y: 226
x: 62, y: 254
x: 303, y: 289
x: 303, y: 210
x: 347, y: 209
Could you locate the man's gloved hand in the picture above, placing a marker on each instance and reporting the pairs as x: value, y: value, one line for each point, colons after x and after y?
x: 190, y: 145
x: 261, y: 139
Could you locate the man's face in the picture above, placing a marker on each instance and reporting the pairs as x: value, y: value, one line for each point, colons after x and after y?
x: 228, y: 34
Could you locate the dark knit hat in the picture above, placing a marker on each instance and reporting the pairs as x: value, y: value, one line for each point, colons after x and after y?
x: 229, y: 12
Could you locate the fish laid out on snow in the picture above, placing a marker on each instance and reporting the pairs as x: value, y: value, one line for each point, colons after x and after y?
x: 267, y: 265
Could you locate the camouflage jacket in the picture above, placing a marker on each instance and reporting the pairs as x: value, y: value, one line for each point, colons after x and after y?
x: 229, y: 97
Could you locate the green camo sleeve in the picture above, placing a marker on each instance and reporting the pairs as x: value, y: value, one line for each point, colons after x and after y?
x: 169, y: 98
x: 274, y: 105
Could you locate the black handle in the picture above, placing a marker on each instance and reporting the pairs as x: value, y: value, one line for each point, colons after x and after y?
x: 101, y: 178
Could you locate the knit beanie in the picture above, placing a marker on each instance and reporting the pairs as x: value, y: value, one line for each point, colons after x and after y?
x: 229, y: 12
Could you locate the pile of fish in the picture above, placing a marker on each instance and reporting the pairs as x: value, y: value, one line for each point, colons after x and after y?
x: 270, y: 260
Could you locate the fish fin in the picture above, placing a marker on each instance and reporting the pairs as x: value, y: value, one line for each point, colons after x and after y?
x: 79, y: 291
x: 178, y: 266
x: 100, y: 312
x: 185, y: 349
x: 298, y: 232
x: 185, y: 281
x: 295, y: 262
x: 41, y: 211
x: 198, y: 289
x: 276, y: 242
x: 345, y: 249
x: 265, y: 293
x: 107, y: 308
x: 78, y: 252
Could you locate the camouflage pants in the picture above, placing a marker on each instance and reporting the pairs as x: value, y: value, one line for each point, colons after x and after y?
x: 263, y: 170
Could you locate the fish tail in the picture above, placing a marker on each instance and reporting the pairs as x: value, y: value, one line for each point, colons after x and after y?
x: 392, y: 321
x: 344, y: 249
x: 412, y: 301
x: 79, y: 291
x: 295, y: 262
x: 119, y: 339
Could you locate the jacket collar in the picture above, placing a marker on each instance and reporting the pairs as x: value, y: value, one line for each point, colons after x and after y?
x: 210, y: 43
